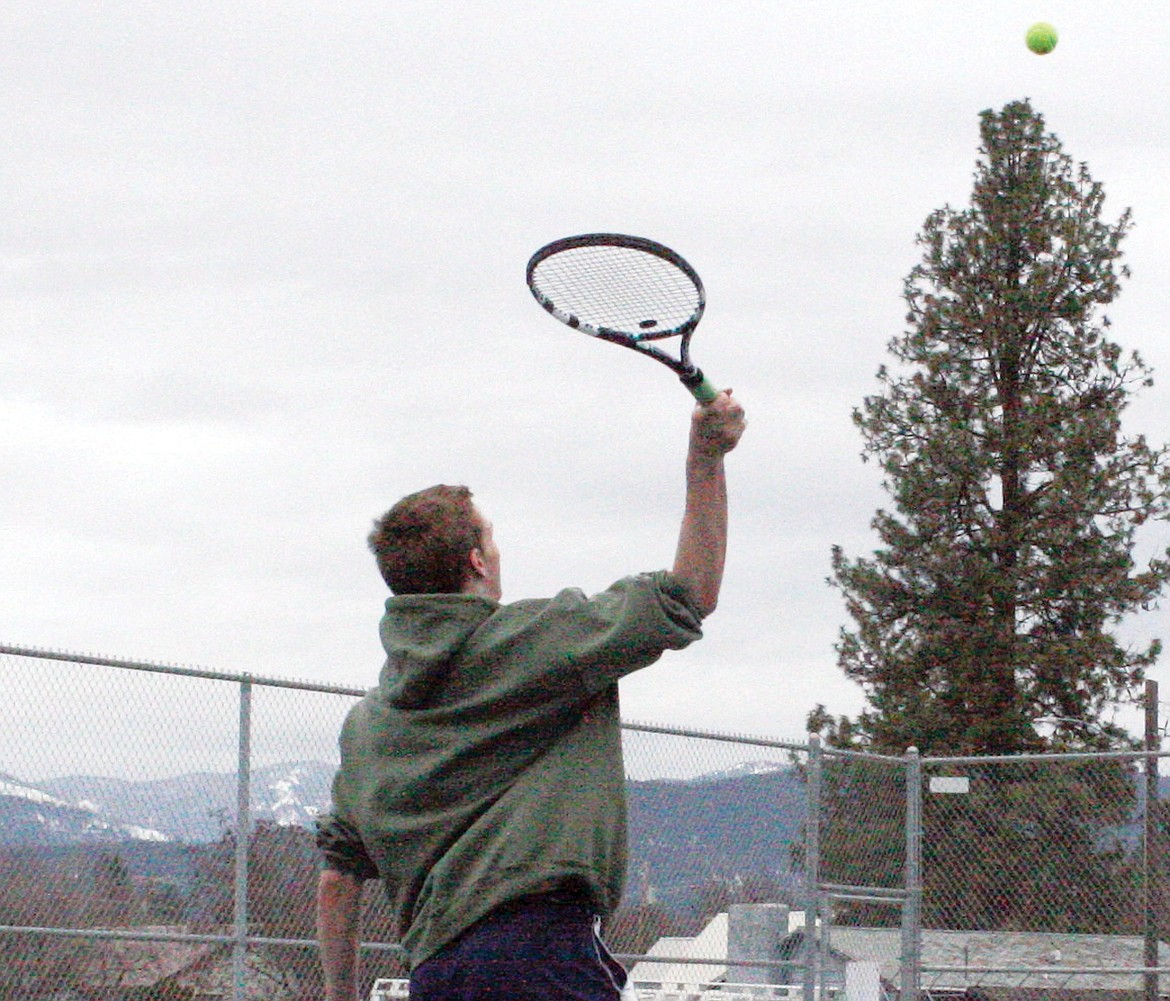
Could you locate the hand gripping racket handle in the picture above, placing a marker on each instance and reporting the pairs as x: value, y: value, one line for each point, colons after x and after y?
x: 700, y: 386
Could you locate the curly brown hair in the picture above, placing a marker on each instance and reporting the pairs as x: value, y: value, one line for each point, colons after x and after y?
x: 422, y: 543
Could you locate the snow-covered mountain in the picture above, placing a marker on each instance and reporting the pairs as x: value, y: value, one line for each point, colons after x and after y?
x: 190, y: 808
x: 294, y: 794
x: 743, y: 770
x: 200, y: 807
x: 32, y: 814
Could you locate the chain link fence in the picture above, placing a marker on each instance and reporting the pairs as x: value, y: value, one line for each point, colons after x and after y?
x: 1042, y: 873
x: 156, y: 844
x: 996, y: 878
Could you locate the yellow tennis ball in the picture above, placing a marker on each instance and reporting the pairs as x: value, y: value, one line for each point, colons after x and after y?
x: 1041, y: 38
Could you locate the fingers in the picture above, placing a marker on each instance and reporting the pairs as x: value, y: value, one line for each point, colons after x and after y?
x: 724, y: 408
x: 719, y: 424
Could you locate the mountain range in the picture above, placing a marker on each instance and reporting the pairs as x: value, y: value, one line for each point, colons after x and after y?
x: 198, y: 807
x: 739, y: 829
x: 687, y: 837
x: 186, y: 808
x: 691, y: 841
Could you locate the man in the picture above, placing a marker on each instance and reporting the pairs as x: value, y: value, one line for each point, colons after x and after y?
x: 482, y: 779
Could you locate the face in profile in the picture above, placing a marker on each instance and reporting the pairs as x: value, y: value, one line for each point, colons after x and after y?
x: 485, y: 558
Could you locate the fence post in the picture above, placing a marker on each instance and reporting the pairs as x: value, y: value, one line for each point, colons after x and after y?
x: 812, y: 868
x: 912, y: 909
x: 243, y: 832
x: 1150, y: 849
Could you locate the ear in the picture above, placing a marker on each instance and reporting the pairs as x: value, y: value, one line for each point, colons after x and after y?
x: 475, y: 558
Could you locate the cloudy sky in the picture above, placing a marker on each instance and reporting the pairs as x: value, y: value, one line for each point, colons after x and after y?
x: 262, y: 273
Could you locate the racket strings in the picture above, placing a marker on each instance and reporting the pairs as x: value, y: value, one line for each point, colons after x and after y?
x: 620, y: 288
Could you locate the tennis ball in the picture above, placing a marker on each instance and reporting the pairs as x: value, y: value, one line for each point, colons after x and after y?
x: 1041, y: 38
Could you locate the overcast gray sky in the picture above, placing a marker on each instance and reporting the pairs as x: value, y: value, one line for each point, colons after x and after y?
x: 261, y: 273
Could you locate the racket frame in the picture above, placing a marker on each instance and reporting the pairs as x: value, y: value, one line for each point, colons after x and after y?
x: 689, y: 374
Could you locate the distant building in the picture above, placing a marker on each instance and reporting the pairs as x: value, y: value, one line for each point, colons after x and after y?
x: 390, y: 989
x: 1038, y: 960
x: 752, y: 934
x: 710, y: 942
x: 864, y: 964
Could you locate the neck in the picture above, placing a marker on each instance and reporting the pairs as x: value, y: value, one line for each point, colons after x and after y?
x: 479, y: 586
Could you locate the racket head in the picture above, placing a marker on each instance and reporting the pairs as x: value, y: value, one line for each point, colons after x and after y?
x: 621, y: 288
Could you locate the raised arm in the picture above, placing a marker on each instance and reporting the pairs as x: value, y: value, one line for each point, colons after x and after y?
x: 716, y: 428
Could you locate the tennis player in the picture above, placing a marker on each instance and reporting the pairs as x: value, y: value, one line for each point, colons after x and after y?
x: 482, y: 779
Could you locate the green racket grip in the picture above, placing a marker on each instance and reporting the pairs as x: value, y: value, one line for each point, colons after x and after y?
x: 700, y: 386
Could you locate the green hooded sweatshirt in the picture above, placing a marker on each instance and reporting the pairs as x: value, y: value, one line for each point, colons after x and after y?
x: 487, y: 762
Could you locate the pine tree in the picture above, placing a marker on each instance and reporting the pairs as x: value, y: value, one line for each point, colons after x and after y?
x: 1007, y: 560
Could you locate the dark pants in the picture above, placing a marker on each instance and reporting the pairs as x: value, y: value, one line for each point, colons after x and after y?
x: 537, y: 948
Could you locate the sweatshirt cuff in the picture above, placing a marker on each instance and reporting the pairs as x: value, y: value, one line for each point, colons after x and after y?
x: 678, y: 591
x: 342, y: 848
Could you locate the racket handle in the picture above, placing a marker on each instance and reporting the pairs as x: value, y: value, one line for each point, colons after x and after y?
x: 700, y: 386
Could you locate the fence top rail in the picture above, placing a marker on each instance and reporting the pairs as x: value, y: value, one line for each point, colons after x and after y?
x: 241, y: 677
x: 1021, y: 759
x: 1000, y: 759
x: 841, y: 752
x: 731, y: 738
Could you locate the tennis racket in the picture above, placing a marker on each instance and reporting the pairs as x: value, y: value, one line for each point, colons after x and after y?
x: 627, y: 290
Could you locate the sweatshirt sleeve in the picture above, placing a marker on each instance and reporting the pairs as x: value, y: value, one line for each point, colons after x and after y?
x: 342, y: 848
x: 628, y: 626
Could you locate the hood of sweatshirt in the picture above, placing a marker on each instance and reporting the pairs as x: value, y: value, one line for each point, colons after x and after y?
x: 420, y: 634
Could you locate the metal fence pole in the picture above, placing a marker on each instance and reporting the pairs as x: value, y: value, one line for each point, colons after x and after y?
x: 912, y: 909
x: 1149, y: 847
x: 812, y: 867
x: 243, y: 830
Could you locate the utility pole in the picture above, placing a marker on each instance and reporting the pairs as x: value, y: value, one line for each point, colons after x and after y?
x: 1149, y: 839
